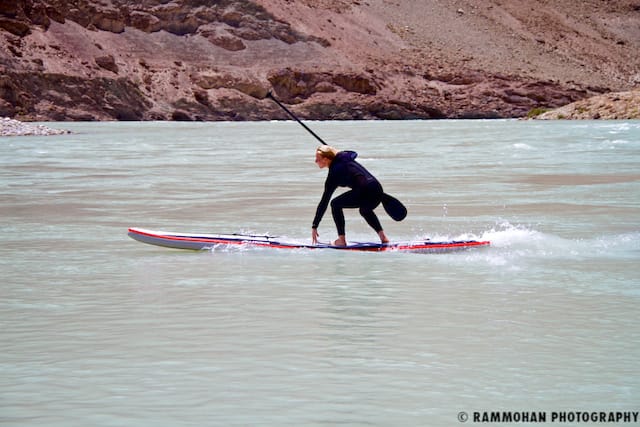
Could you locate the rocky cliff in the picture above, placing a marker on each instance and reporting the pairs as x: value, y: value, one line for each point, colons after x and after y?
x: 329, y: 59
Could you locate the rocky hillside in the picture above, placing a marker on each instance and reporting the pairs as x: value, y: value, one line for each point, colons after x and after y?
x: 610, y: 106
x: 329, y: 59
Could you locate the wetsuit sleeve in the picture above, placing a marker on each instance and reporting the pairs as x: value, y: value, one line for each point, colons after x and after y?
x: 329, y: 187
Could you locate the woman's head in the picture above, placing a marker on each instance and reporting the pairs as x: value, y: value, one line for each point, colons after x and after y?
x: 325, y: 155
x: 327, y: 151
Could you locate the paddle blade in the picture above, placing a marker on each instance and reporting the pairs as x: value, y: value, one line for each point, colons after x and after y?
x: 394, y: 207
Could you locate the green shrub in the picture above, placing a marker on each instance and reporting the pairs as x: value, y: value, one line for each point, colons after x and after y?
x: 536, y: 112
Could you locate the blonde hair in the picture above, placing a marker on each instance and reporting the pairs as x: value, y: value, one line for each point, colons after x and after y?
x: 327, y: 151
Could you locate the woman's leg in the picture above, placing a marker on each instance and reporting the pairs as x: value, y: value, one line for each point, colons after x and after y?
x: 367, y: 202
x: 350, y: 199
x: 372, y: 219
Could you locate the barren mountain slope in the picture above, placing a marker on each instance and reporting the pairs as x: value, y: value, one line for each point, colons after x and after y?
x: 216, y: 60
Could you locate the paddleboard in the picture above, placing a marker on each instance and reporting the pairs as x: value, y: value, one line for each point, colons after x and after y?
x: 212, y: 241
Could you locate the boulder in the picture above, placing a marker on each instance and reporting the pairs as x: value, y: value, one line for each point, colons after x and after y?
x: 107, y: 62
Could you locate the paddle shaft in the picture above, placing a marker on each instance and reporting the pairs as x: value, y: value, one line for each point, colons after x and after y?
x: 293, y: 116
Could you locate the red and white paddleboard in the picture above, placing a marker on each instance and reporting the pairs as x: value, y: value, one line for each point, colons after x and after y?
x: 210, y: 241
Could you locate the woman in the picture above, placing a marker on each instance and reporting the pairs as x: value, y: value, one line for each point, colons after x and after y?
x: 366, y: 192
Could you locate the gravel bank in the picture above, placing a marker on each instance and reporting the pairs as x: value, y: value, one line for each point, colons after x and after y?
x: 10, y: 127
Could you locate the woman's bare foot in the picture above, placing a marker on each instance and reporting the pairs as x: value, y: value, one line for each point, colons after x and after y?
x: 340, y: 241
x: 383, y: 237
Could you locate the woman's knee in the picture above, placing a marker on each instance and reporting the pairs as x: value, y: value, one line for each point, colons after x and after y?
x: 335, y: 204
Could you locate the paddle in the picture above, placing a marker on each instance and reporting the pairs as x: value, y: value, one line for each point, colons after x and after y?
x: 293, y: 116
x: 392, y: 206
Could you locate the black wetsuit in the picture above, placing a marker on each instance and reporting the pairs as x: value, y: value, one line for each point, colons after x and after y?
x: 366, y: 192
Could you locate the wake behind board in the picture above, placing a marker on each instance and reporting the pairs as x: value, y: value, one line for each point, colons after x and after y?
x: 210, y: 241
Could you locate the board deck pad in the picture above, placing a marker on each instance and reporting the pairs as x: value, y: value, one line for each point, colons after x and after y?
x: 210, y: 241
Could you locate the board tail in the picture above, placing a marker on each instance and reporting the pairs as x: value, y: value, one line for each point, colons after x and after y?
x: 394, y: 207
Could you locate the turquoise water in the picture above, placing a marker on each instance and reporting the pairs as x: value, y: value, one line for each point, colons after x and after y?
x: 100, y: 330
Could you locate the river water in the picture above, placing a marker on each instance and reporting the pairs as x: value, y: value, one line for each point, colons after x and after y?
x: 100, y: 330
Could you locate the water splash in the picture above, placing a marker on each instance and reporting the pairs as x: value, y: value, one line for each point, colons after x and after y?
x: 525, y: 240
